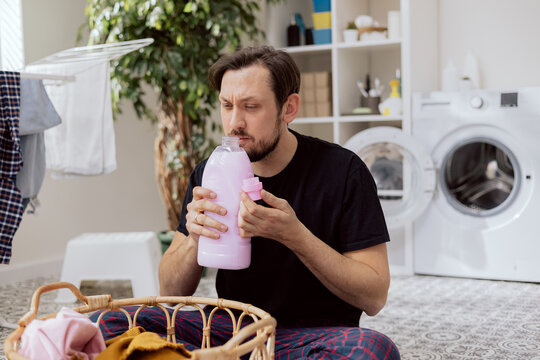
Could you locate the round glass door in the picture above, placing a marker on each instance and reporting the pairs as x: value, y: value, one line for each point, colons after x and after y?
x: 402, y: 170
x: 480, y: 177
x: 385, y: 162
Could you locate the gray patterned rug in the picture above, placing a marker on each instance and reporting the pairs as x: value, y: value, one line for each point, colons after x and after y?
x: 427, y: 317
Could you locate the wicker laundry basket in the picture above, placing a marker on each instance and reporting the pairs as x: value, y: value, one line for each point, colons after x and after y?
x: 256, y: 339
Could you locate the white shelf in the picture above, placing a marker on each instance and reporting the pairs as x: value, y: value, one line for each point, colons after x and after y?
x: 314, y: 120
x: 357, y: 45
x: 308, y: 49
x: 366, y: 118
x: 346, y: 119
x: 371, y: 45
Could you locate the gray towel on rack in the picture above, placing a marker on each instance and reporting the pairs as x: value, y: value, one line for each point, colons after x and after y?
x: 37, y: 115
x: 37, y: 111
x: 32, y: 173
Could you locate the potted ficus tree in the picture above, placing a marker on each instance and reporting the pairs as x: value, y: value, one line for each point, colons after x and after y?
x: 189, y: 36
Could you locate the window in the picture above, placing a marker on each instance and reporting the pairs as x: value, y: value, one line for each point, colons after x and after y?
x: 11, y: 35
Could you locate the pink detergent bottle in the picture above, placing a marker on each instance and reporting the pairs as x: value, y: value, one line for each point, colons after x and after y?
x: 228, y: 171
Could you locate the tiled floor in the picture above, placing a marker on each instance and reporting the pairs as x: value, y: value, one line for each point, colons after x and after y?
x: 427, y: 317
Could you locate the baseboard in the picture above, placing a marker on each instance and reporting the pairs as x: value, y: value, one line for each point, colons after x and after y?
x: 15, y: 273
x: 400, y: 270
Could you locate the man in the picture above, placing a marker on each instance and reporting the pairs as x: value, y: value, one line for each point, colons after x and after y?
x: 318, y: 235
x: 318, y: 241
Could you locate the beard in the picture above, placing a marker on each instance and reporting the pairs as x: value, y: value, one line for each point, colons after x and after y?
x: 263, y: 147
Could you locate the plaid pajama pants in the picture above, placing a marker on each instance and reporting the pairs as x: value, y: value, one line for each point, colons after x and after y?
x: 332, y: 342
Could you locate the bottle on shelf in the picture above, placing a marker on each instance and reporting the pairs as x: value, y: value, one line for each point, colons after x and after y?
x: 392, y: 105
x: 293, y: 32
x: 367, y: 84
x: 449, y: 77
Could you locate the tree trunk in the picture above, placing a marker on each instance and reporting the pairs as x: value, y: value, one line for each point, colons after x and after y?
x: 175, y: 159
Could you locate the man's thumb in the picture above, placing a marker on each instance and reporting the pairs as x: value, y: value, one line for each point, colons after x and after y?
x: 270, y: 199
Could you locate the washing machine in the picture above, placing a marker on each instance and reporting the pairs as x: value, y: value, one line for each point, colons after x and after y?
x: 467, y: 179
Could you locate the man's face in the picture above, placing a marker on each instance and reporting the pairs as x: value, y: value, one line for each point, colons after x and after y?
x: 249, y: 111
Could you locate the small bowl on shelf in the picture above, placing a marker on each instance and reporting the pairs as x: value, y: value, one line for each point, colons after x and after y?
x: 372, y: 33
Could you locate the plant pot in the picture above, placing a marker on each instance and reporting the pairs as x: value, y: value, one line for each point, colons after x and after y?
x: 165, y: 238
x: 350, y: 35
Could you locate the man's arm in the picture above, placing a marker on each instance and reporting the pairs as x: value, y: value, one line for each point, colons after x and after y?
x: 361, y: 277
x: 179, y: 272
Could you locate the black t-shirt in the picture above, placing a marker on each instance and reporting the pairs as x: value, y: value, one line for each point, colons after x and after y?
x: 334, y: 196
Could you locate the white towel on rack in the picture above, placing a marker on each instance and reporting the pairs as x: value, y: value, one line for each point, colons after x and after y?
x: 84, y: 143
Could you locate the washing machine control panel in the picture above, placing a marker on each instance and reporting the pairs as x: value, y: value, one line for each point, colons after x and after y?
x: 476, y: 102
x: 509, y: 99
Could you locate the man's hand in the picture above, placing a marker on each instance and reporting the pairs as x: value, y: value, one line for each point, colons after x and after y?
x: 277, y: 222
x: 359, y: 277
x: 197, y: 217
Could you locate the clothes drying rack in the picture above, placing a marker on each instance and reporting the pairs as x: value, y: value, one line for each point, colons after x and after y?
x: 108, y: 52
x: 26, y: 75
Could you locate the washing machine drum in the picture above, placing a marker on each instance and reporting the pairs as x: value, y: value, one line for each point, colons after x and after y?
x: 480, y: 177
x: 385, y: 162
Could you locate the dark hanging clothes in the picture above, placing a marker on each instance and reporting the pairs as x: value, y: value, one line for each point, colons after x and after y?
x: 11, y: 208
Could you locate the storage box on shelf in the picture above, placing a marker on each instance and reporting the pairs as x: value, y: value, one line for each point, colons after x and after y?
x: 316, y: 94
x: 322, y: 36
x: 322, y: 22
x: 321, y: 5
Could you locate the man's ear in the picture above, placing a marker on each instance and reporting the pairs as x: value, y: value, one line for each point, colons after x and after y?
x: 291, y: 107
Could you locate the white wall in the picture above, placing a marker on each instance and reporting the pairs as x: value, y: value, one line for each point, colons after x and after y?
x: 125, y: 200
x: 502, y: 34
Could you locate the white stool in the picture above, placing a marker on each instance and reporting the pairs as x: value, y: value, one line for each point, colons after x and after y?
x: 130, y: 256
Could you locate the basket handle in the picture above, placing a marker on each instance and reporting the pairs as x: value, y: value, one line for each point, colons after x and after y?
x: 249, y: 330
x: 34, y: 305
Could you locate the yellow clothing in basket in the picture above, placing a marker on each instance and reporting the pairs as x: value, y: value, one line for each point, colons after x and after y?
x: 136, y: 344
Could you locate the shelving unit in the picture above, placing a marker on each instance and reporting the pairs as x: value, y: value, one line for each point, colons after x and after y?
x: 349, y: 62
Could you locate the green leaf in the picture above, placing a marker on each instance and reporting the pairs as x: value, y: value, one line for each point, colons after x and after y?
x: 169, y: 7
x: 191, y: 97
x: 215, y: 29
x: 206, y: 6
x: 188, y: 8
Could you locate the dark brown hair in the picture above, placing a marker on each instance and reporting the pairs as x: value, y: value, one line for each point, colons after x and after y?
x: 284, y: 73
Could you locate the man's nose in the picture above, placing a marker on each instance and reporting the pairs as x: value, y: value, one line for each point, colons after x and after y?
x: 237, y: 120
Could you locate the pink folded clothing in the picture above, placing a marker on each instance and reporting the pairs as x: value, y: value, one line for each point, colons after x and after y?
x: 68, y: 336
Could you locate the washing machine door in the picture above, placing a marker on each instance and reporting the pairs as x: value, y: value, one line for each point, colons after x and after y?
x: 403, y: 172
